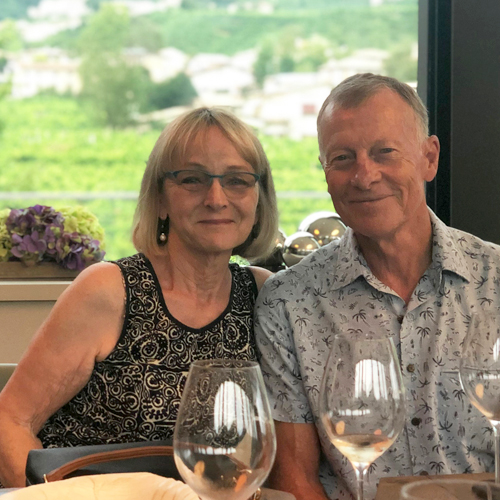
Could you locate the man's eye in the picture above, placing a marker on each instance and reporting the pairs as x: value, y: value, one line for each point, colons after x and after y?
x: 341, y: 158
x: 387, y: 150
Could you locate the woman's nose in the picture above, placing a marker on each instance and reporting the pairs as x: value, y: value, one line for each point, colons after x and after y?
x: 216, y: 196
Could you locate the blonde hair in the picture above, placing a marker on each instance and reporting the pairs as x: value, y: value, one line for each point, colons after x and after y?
x: 171, y: 149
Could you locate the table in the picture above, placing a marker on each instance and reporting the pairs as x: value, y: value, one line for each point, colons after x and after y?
x: 267, y: 494
x: 389, y: 488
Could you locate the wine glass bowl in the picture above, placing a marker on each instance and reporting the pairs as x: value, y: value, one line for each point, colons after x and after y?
x: 362, y: 405
x: 480, y: 371
x: 224, y: 440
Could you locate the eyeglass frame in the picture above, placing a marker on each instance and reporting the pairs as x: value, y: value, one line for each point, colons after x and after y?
x: 173, y: 176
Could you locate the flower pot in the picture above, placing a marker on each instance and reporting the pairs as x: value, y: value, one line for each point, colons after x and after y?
x: 44, y: 271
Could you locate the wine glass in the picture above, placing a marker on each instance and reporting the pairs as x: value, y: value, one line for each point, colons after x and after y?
x: 450, y: 489
x: 224, y: 439
x: 480, y: 371
x: 362, y: 406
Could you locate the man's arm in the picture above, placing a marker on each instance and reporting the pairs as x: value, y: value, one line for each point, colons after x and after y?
x: 296, y: 466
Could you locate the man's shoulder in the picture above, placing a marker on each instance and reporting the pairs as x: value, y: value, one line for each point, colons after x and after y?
x: 473, y: 247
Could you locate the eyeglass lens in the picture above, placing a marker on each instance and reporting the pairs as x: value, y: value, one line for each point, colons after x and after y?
x: 197, y: 180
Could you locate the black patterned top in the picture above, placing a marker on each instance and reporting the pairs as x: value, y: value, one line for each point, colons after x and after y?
x: 134, y: 394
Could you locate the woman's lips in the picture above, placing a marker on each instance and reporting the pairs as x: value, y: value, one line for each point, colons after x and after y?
x: 216, y: 221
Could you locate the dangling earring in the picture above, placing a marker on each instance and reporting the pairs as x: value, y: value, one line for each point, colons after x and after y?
x: 162, y: 231
x: 255, y: 231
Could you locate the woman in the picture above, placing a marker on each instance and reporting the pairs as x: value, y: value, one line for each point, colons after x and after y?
x: 110, y: 362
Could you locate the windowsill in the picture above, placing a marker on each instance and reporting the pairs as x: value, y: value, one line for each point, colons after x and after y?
x: 31, y: 290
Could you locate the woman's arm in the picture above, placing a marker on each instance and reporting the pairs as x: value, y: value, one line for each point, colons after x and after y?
x: 82, y: 328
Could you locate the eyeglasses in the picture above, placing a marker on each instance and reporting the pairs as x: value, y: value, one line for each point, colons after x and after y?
x: 198, y: 181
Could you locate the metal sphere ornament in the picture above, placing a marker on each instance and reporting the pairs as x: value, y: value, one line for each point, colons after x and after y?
x: 297, y: 246
x: 274, y: 262
x: 324, y: 226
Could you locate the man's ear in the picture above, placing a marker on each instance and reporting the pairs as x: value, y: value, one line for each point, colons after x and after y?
x: 431, y: 152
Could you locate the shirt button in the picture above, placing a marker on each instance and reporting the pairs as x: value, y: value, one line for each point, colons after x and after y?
x: 424, y: 473
x: 400, y: 319
x: 416, y: 421
x: 410, y: 368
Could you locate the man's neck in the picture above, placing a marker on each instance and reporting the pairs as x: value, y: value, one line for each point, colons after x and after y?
x: 400, y: 261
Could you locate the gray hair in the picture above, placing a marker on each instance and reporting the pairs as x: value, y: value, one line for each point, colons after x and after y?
x: 351, y: 92
x: 171, y: 149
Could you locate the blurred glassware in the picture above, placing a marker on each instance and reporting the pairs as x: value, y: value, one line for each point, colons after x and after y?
x: 450, y: 489
x: 297, y: 246
x: 361, y: 398
x: 224, y: 439
x: 480, y: 371
x: 324, y: 226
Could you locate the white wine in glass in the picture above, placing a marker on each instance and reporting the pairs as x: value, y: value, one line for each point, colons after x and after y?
x: 362, y: 402
x: 480, y: 371
x: 224, y: 439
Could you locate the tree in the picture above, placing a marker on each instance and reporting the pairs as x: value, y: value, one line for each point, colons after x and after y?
x: 264, y: 65
x: 110, y: 83
x: 15, y: 9
x: 178, y: 91
x: 10, y: 37
x: 401, y: 65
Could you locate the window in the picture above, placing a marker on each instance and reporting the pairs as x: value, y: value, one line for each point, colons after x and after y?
x: 78, y: 127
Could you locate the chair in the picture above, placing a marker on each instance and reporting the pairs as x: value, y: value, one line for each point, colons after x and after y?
x: 44, y: 462
x: 6, y: 370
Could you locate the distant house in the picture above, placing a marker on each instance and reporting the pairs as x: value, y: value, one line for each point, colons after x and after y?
x: 41, y: 69
x: 221, y: 80
x: 165, y: 64
x: 142, y: 7
x: 58, y: 10
x: 361, y: 61
x: 292, y: 113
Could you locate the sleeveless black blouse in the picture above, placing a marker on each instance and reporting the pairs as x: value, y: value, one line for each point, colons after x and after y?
x: 134, y: 394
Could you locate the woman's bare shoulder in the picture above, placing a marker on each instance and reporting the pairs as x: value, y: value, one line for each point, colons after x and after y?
x: 260, y: 274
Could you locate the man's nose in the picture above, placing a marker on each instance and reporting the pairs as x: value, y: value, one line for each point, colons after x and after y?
x: 366, y: 171
x: 216, y: 196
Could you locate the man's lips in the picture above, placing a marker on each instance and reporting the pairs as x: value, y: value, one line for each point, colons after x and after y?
x: 371, y: 199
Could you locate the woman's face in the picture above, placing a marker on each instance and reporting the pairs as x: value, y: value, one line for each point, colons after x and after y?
x: 211, y: 219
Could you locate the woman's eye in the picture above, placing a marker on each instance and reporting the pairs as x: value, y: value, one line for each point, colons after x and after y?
x: 236, y: 181
x: 191, y: 180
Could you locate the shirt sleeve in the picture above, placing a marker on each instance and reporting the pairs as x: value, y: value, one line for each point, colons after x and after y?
x: 278, y: 358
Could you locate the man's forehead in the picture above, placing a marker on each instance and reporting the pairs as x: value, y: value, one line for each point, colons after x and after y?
x: 386, y: 102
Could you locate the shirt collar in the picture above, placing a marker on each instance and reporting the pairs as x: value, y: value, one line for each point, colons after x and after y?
x: 446, y: 256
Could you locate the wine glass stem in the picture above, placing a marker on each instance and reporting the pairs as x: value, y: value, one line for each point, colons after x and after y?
x: 496, y: 430
x: 360, y: 470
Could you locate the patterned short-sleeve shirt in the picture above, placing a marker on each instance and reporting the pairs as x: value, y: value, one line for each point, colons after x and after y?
x: 299, y: 309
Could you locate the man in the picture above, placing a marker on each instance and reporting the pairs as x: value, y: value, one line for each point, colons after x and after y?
x: 398, y: 270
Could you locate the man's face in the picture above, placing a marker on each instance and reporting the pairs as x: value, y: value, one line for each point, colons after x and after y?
x: 375, y: 164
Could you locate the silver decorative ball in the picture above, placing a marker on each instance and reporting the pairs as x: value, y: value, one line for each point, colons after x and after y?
x: 324, y: 226
x: 297, y: 246
x: 280, y: 240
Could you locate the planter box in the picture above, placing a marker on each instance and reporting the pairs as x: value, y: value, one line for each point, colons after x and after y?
x: 44, y: 270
